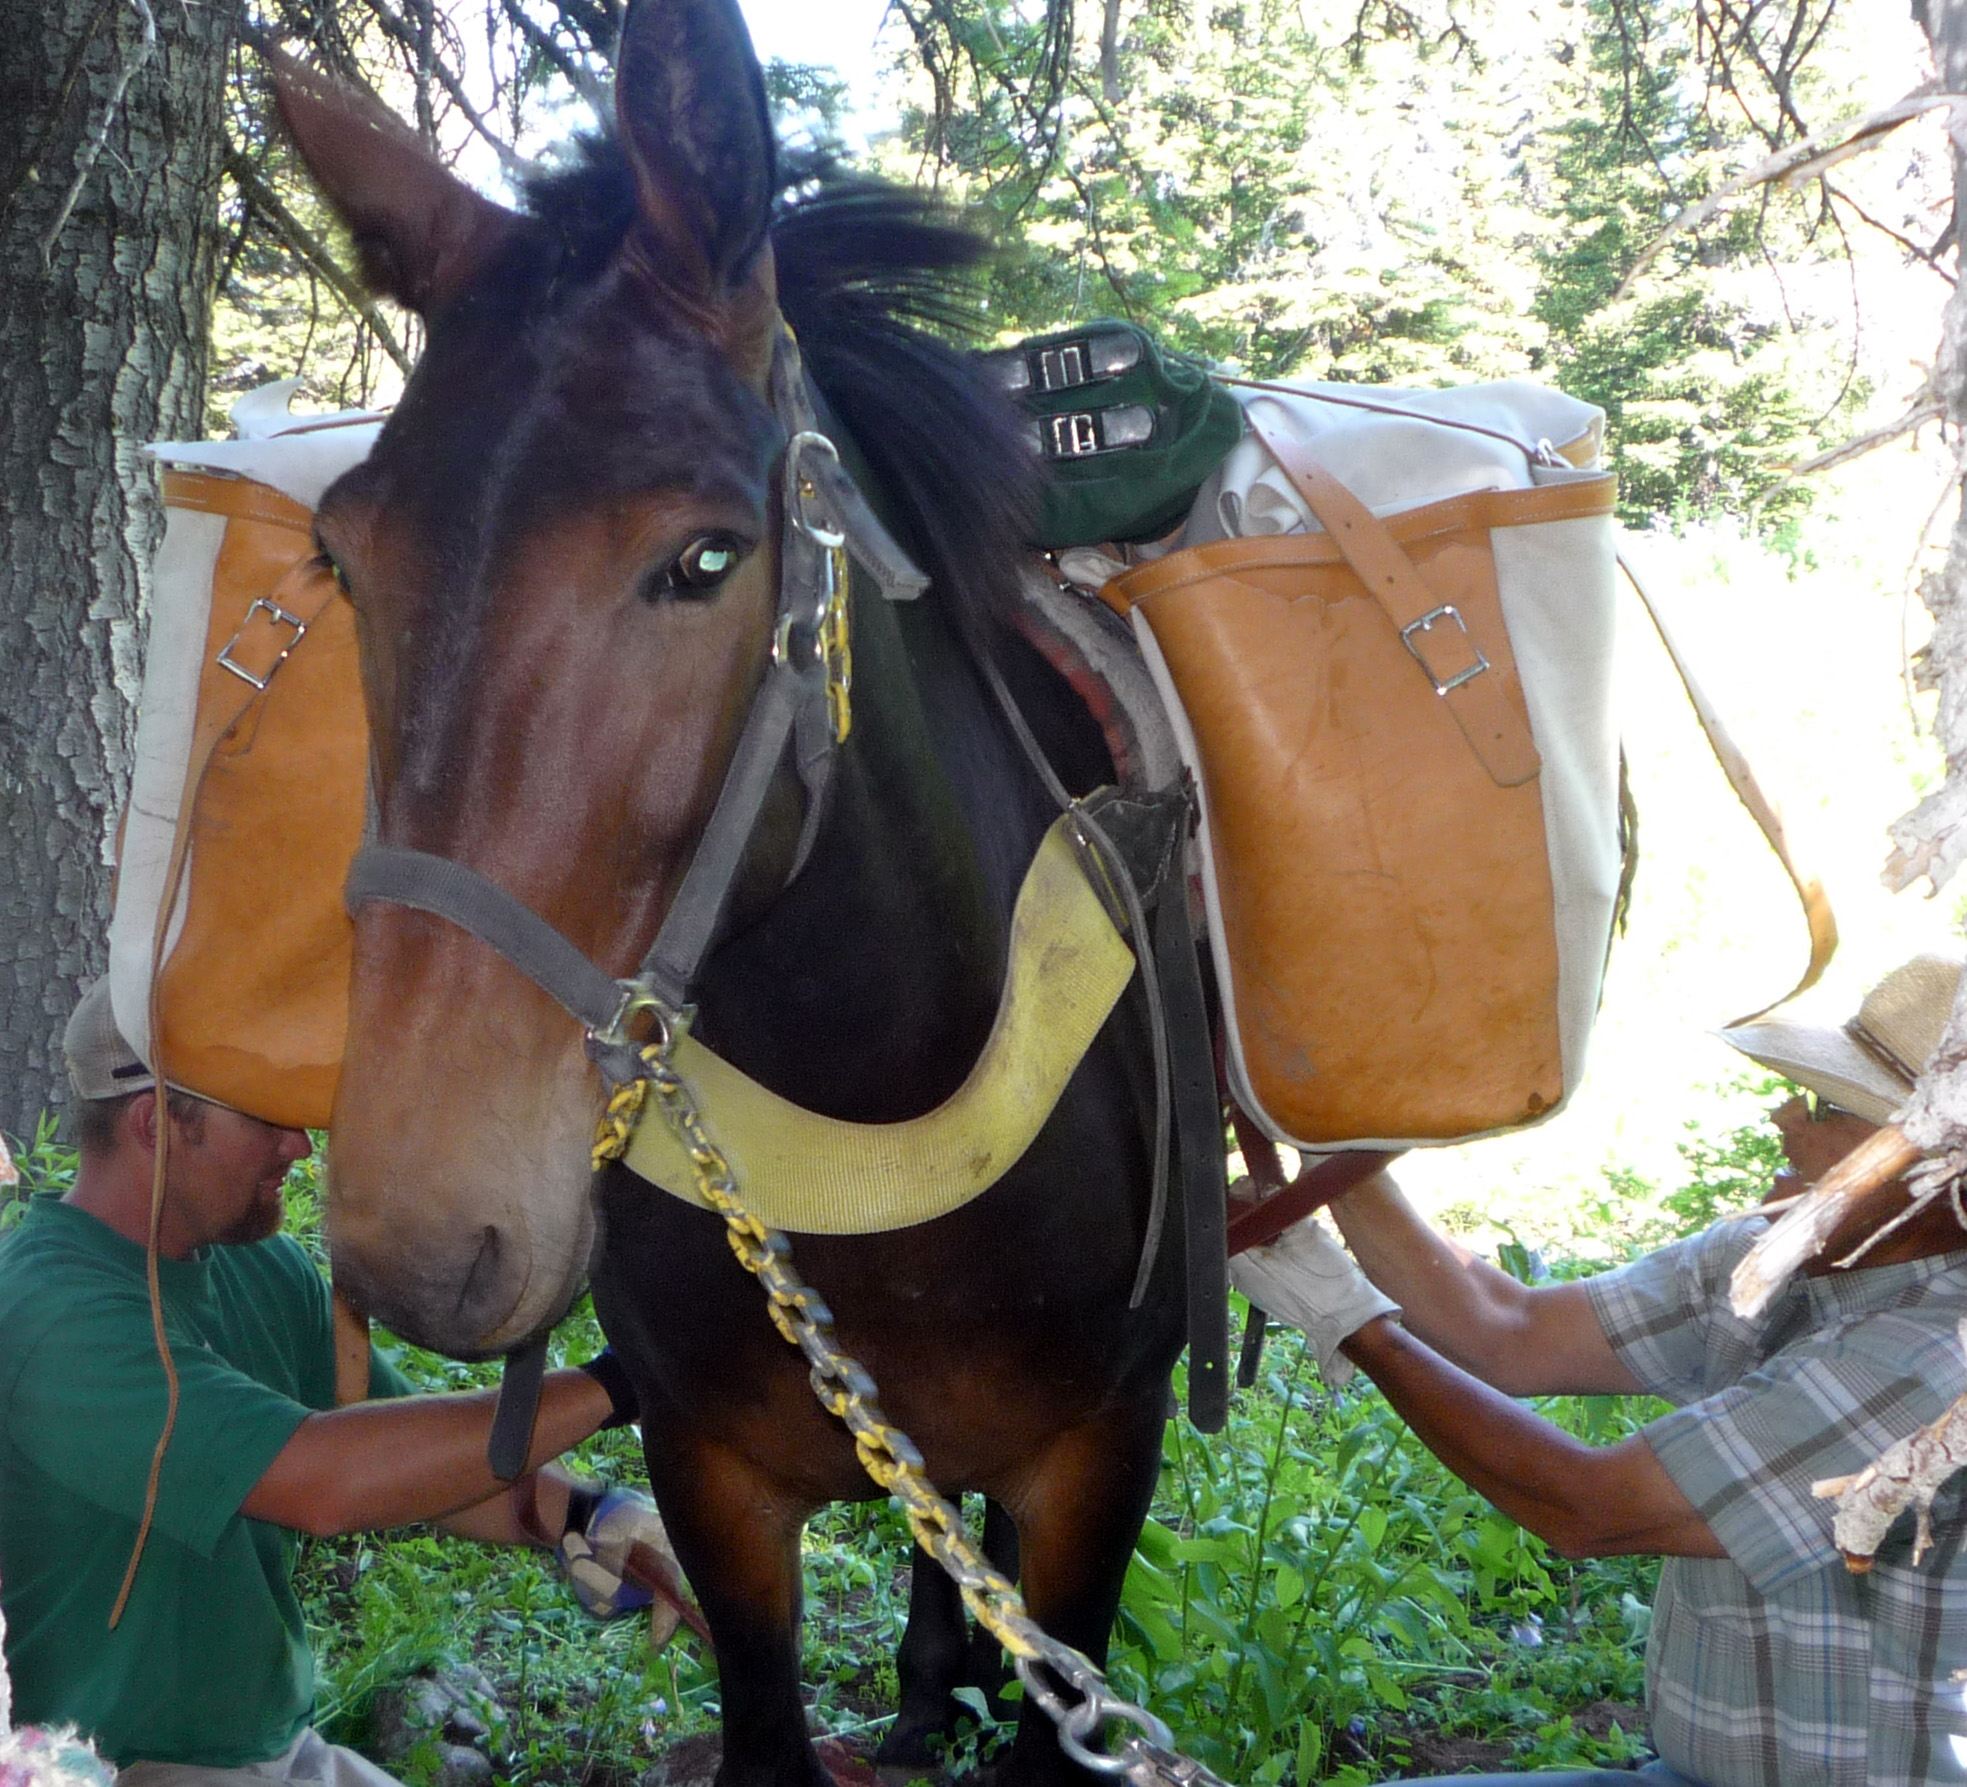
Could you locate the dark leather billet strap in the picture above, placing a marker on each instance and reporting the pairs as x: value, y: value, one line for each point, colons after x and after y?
x: 519, y: 1405
x: 1203, y: 1170
x: 1312, y: 1189
x: 1472, y: 688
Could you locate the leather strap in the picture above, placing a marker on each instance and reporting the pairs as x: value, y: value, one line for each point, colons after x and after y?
x: 258, y: 649
x: 1818, y: 918
x: 1199, y: 1148
x: 351, y: 1353
x: 518, y: 1407
x: 1433, y: 632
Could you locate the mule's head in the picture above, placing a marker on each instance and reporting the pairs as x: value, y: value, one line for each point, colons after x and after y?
x: 562, y: 556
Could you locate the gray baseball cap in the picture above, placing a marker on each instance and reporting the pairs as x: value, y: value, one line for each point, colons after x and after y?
x: 100, y: 1063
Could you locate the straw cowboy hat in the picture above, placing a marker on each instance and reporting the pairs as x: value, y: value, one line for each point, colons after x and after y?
x: 1867, y: 1065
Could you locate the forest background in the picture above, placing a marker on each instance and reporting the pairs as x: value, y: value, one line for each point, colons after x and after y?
x: 1351, y: 189
x: 1428, y: 193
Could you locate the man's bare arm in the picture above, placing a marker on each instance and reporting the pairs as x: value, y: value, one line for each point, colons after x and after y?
x: 531, y: 1512
x: 1583, y: 1501
x: 1527, y: 1340
x: 382, y: 1464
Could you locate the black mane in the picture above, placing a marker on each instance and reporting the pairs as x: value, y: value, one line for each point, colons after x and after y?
x: 874, y: 280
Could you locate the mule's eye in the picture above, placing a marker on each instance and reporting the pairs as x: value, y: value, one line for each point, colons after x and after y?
x: 329, y: 563
x: 699, y: 568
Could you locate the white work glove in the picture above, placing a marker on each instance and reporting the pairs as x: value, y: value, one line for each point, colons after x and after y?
x: 594, y: 1555
x: 1306, y: 1278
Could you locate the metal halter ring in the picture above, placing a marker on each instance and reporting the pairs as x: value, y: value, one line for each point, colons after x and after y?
x: 636, y: 998
x: 800, y: 489
x: 1098, y: 1705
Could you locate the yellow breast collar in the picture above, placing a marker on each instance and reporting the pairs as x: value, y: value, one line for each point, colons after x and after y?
x: 817, y: 1175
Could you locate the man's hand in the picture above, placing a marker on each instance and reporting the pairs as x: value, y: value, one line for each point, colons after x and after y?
x: 1306, y: 1278
x: 613, y: 1537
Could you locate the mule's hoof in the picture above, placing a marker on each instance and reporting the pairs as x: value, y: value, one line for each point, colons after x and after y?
x: 907, y: 1755
x: 848, y: 1766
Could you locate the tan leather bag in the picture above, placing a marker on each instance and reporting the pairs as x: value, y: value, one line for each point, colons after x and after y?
x: 249, y: 799
x: 1383, y: 895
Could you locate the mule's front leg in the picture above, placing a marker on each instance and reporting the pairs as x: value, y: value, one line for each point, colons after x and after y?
x: 736, y: 1534
x: 939, y: 1653
x: 1079, y: 1511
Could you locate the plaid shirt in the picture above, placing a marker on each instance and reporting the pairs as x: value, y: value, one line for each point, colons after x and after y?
x: 1775, y: 1664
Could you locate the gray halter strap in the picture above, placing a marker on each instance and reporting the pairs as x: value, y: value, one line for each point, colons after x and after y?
x: 823, y: 511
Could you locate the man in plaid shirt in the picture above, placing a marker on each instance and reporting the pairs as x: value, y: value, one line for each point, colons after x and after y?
x: 1769, y: 1662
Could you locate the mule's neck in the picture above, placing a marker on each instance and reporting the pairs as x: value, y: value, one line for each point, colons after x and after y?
x: 866, y: 990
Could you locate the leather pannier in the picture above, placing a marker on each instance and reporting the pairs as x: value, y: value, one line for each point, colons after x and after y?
x: 1400, y: 724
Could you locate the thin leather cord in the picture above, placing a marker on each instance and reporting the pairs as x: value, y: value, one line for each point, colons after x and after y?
x: 194, y: 780
x: 1529, y: 448
x: 1157, y: 1018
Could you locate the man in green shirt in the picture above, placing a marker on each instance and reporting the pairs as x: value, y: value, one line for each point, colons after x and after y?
x: 206, y: 1669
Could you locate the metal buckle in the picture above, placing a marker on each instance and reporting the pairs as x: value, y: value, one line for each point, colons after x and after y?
x: 667, y: 1023
x: 1065, y: 365
x: 1443, y: 685
x: 1079, y: 433
x: 280, y: 618
x: 801, y: 490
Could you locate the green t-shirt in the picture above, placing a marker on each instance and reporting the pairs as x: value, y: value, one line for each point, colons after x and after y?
x: 210, y: 1662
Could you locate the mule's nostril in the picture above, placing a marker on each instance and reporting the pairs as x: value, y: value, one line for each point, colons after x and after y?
x: 484, y: 1270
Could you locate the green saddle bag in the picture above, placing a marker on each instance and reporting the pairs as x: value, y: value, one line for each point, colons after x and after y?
x: 1128, y: 429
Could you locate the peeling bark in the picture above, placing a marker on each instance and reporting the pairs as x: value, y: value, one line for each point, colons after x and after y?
x: 104, y: 327
x: 1906, y: 1475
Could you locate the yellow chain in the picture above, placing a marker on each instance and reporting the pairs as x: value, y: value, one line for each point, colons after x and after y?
x: 618, y: 1123
x: 889, y: 1456
x: 840, y: 1382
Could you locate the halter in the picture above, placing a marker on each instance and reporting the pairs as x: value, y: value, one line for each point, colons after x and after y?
x: 803, y: 701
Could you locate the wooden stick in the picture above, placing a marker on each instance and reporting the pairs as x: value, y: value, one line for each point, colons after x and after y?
x: 1905, y: 1475
x: 1846, y: 1204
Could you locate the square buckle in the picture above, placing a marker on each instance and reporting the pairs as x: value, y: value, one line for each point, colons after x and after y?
x: 276, y: 616
x: 1443, y: 685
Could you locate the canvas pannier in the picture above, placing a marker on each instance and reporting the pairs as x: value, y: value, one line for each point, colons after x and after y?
x: 249, y: 790
x: 1386, y: 643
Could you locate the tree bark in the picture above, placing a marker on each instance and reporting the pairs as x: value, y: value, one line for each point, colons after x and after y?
x: 110, y: 146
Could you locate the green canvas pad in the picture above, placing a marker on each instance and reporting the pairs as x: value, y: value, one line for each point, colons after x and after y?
x: 1128, y: 430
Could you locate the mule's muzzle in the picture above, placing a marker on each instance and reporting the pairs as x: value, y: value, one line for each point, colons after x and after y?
x: 469, y: 1293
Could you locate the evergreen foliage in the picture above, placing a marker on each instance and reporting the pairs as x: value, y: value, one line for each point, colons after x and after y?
x: 1414, y: 196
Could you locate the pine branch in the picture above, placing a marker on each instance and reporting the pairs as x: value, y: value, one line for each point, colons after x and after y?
x: 1801, y: 160
x: 313, y: 252
x: 580, y: 79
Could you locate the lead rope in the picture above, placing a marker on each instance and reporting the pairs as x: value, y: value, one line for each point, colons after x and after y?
x: 1147, y: 1757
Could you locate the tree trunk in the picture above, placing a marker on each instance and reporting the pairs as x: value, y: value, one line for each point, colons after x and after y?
x: 1931, y: 841
x: 110, y: 150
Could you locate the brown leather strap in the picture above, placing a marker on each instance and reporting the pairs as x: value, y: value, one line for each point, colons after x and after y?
x: 1434, y: 632
x: 1281, y: 1202
x: 262, y: 648
x: 240, y: 499
x: 1818, y: 918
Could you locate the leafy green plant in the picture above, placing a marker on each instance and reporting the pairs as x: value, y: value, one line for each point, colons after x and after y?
x: 46, y: 1164
x: 1310, y: 1574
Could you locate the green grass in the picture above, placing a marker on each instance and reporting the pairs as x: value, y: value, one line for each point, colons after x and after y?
x: 1311, y: 1587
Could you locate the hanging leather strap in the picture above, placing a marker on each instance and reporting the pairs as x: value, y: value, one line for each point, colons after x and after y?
x: 1434, y: 632
x: 1818, y: 917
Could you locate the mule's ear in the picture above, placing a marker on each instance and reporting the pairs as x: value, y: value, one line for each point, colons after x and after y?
x: 691, y: 105
x: 419, y: 231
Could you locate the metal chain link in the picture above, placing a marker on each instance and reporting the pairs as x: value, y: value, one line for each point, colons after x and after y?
x: 1147, y: 1756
